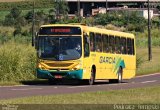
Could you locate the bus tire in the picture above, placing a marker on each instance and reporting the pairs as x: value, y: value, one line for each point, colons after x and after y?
x: 91, y: 81
x: 120, y: 77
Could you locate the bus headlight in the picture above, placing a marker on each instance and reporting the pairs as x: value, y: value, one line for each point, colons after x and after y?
x: 77, y: 67
x: 41, y: 67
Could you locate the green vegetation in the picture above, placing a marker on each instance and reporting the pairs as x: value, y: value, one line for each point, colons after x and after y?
x: 142, y: 38
x: 2, y: 15
x: 130, y: 20
x: 132, y: 96
x: 16, y: 29
x: 17, y: 61
x: 26, y: 4
x: 146, y: 66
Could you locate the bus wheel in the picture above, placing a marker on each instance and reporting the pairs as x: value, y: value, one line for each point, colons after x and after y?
x: 92, y: 78
x: 120, y: 77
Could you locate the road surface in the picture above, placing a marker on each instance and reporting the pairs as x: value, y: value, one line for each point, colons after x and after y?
x: 42, y: 88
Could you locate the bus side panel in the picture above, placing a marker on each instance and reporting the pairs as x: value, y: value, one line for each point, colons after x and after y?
x: 87, y: 66
x: 130, y: 70
x: 104, y: 66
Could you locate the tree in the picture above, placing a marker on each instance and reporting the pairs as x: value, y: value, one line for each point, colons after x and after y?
x: 9, y: 20
x: 61, y: 7
x: 15, y: 12
x: 158, y: 6
x: 17, y: 31
x: 14, y: 17
x: 29, y: 16
x: 132, y: 20
x: 52, y: 16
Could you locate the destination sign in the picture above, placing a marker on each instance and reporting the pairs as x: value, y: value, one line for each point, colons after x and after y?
x: 60, y: 30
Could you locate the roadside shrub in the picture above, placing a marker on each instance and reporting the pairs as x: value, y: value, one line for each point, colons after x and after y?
x: 26, y: 4
x: 25, y: 33
x: 139, y: 61
x: 17, y: 62
x: 142, y: 38
x: 17, y: 31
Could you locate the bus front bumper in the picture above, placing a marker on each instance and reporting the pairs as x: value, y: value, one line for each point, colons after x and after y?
x: 45, y: 74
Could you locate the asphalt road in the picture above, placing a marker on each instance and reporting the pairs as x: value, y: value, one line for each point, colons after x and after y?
x: 43, y: 88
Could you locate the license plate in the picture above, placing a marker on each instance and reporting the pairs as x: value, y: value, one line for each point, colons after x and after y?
x: 58, y: 76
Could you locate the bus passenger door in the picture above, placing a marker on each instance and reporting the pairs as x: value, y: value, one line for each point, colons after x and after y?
x: 86, y: 59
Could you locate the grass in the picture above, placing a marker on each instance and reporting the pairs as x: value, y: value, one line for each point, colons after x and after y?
x: 149, y: 95
x: 11, y: 0
x: 17, y: 61
x: 3, y: 14
x: 148, y: 67
x: 25, y: 4
x: 7, y: 83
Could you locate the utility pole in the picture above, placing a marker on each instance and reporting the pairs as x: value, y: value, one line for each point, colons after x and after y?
x: 56, y: 2
x: 149, y: 34
x: 106, y: 6
x: 78, y: 9
x: 33, y: 24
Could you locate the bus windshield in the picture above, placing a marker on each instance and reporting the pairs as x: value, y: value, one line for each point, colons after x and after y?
x: 60, y: 48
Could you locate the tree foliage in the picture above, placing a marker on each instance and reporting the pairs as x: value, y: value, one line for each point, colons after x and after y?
x: 15, y: 12
x: 61, y: 7
x: 131, y: 20
x: 14, y: 18
x: 128, y: 20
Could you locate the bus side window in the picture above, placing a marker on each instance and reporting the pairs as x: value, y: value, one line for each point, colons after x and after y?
x: 117, y: 45
x: 133, y: 50
x: 123, y: 45
x: 105, y: 43
x: 129, y: 46
x: 86, y: 45
x: 111, y: 44
x: 98, y: 43
x: 92, y: 42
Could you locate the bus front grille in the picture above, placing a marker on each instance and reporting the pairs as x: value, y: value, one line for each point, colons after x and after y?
x: 59, y: 64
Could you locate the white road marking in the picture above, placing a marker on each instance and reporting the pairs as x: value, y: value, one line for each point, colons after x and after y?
x: 14, y: 86
x: 79, y: 87
x: 114, y: 84
x: 26, y: 89
x: 99, y: 85
x: 149, y: 81
x: 147, y: 75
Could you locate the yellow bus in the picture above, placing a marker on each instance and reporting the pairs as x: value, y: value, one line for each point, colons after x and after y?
x: 75, y: 51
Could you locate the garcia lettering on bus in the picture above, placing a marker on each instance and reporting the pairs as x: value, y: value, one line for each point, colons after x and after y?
x: 109, y: 60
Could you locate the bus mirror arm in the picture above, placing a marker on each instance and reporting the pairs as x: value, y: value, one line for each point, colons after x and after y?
x: 36, y: 34
x: 34, y: 39
x: 88, y: 39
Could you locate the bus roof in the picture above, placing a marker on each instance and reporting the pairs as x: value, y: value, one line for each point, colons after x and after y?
x: 95, y: 29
